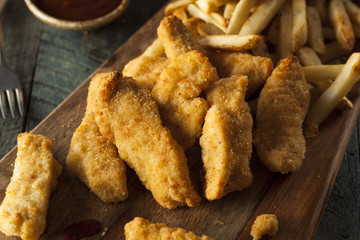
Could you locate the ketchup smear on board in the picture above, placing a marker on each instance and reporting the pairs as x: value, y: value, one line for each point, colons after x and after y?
x: 81, y: 229
x: 77, y: 10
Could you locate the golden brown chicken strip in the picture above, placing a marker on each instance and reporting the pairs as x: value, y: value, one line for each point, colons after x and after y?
x: 142, y: 229
x: 23, y: 210
x: 256, y: 68
x: 177, y: 95
x: 146, y: 70
x: 129, y: 117
x: 227, y: 138
x: 176, y: 38
x: 281, y: 110
x: 93, y: 158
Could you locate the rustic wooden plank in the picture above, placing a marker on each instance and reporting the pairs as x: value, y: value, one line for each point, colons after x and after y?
x: 66, y: 58
x: 341, y: 216
x: 20, y: 55
x: 92, y: 204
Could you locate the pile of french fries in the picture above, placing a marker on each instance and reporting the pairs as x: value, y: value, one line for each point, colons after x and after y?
x: 316, y: 31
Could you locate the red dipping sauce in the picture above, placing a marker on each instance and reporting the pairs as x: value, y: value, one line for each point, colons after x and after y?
x: 77, y: 10
x: 82, y: 229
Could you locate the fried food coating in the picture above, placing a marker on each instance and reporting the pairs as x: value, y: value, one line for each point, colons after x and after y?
x: 176, y: 38
x: 145, y: 70
x: 23, y: 210
x: 177, y: 95
x: 264, y: 224
x: 142, y: 229
x: 93, y: 158
x: 129, y: 117
x: 226, y: 140
x: 281, y: 110
x: 256, y: 68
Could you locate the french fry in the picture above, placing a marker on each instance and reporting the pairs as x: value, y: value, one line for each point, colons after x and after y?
x: 274, y: 31
x: 315, y: 34
x: 262, y: 16
x: 284, y: 45
x: 342, y: 25
x: 218, y: 3
x: 208, y: 29
x: 229, y: 9
x: 156, y: 49
x: 231, y: 42
x: 322, y: 73
x: 239, y: 16
x: 218, y: 18
x: 308, y: 57
x: 346, y: 79
x: 191, y: 24
x: 171, y: 7
x: 328, y: 33
x: 181, y: 13
x: 206, y: 6
x: 353, y: 11
x: 321, y: 6
x: 195, y: 12
x: 333, y: 51
x: 299, y: 25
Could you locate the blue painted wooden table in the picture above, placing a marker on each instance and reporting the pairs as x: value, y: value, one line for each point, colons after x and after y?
x: 53, y: 62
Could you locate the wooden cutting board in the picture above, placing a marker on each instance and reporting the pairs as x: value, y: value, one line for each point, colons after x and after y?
x: 297, y: 199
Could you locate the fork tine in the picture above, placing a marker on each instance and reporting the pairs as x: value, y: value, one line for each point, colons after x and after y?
x: 3, y: 105
x: 11, y: 100
x: 20, y: 100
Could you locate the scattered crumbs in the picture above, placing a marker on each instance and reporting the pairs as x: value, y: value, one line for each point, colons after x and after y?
x: 106, y: 210
x: 68, y: 126
x: 12, y: 164
x: 275, y: 206
x: 318, y: 176
x: 104, y: 232
x: 71, y: 120
x: 62, y: 126
x: 54, y: 139
x: 220, y: 222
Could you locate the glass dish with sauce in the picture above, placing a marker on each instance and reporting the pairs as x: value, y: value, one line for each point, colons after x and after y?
x: 77, y: 14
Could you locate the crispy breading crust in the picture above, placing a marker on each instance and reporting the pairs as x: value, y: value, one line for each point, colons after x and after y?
x: 256, y: 68
x: 129, y: 117
x: 93, y: 158
x: 23, y: 210
x: 142, y: 229
x: 177, y: 95
x: 176, y: 38
x: 146, y: 70
x: 264, y: 224
x: 281, y: 110
x: 227, y: 138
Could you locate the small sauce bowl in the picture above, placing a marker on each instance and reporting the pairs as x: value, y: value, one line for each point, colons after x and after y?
x: 71, y: 23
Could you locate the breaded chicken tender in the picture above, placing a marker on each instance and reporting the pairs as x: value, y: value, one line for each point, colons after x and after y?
x: 23, y: 210
x: 256, y: 68
x: 142, y: 229
x: 176, y: 38
x: 264, y: 224
x: 227, y: 138
x: 145, y: 70
x: 281, y: 110
x: 177, y: 95
x: 93, y: 158
x: 129, y: 117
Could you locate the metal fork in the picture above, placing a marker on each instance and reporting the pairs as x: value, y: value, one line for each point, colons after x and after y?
x: 9, y: 82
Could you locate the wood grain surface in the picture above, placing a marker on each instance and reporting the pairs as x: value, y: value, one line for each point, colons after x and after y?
x: 52, y: 62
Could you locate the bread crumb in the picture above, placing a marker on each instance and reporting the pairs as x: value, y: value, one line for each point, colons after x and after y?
x: 264, y: 224
x: 104, y: 232
x: 220, y: 222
